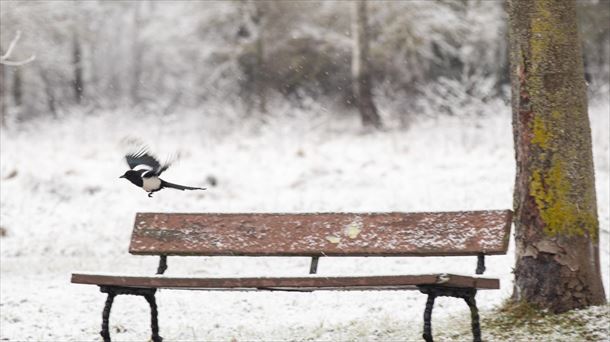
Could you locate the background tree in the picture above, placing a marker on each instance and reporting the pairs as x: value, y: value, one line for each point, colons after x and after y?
x: 2, y: 93
x: 17, y: 87
x: 137, y: 52
x: 77, y: 63
x: 361, y: 70
x: 258, y: 16
x: 5, y: 59
x: 422, y: 54
x: 556, y: 222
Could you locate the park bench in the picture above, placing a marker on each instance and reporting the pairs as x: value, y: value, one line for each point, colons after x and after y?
x: 469, y: 233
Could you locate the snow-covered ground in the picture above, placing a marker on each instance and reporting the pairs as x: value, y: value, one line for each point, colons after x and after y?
x: 64, y: 209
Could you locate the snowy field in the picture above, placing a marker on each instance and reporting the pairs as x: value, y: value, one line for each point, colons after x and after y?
x: 64, y: 209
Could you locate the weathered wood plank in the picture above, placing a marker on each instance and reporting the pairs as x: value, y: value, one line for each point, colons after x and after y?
x: 322, y: 234
x: 402, y: 282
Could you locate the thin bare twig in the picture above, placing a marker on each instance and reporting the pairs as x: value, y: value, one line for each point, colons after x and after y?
x: 4, y: 58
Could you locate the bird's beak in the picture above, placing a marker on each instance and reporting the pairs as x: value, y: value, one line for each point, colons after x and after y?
x: 123, y: 176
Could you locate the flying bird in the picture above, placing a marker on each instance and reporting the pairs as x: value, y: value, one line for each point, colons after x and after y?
x: 144, y: 171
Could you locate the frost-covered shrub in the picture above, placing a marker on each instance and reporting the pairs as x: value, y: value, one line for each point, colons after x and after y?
x: 466, y: 97
x: 302, y: 66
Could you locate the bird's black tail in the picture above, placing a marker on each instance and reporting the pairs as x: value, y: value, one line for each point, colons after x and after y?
x: 165, y: 184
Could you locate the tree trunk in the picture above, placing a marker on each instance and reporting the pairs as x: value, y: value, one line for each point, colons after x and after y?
x: 137, y: 54
x: 48, y: 89
x: 17, y: 87
x: 2, y: 92
x: 557, y: 248
x: 361, y: 78
x: 260, y: 20
x: 78, y: 68
x: 2, y: 95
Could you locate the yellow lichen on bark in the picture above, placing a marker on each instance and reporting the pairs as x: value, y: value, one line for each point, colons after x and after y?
x: 551, y: 191
x: 546, y: 29
x: 557, y: 260
x: 562, y: 208
x: 541, y: 134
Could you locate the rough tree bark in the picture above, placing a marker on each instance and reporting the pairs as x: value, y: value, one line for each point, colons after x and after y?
x: 557, y: 251
x: 361, y: 78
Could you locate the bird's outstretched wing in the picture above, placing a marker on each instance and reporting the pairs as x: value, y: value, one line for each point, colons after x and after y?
x: 143, y: 157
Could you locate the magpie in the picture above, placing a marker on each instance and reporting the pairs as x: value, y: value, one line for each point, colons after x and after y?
x: 147, y: 177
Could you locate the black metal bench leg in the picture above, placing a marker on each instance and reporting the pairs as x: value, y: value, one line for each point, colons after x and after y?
x: 154, y: 324
x: 428, y: 318
x: 105, y: 316
x: 474, y: 316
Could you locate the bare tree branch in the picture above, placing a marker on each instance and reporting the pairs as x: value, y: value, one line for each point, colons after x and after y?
x: 18, y: 63
x: 11, y: 46
x: 4, y: 58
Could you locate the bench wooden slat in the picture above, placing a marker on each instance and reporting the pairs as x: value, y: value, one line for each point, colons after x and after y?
x: 322, y: 234
x: 291, y: 283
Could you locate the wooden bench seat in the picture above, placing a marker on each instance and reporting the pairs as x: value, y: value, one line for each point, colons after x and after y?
x: 399, y: 282
x: 472, y: 233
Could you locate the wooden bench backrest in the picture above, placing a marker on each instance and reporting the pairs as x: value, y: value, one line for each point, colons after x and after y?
x: 322, y: 234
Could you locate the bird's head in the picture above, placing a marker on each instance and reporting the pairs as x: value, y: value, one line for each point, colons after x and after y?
x: 130, y: 174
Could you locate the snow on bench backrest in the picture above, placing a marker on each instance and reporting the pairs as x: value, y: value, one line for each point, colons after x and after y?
x: 322, y: 234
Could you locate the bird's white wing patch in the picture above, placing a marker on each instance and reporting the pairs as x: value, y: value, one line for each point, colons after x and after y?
x: 151, y: 184
x: 142, y: 167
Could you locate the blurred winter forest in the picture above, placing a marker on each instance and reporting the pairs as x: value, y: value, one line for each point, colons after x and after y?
x: 163, y: 56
